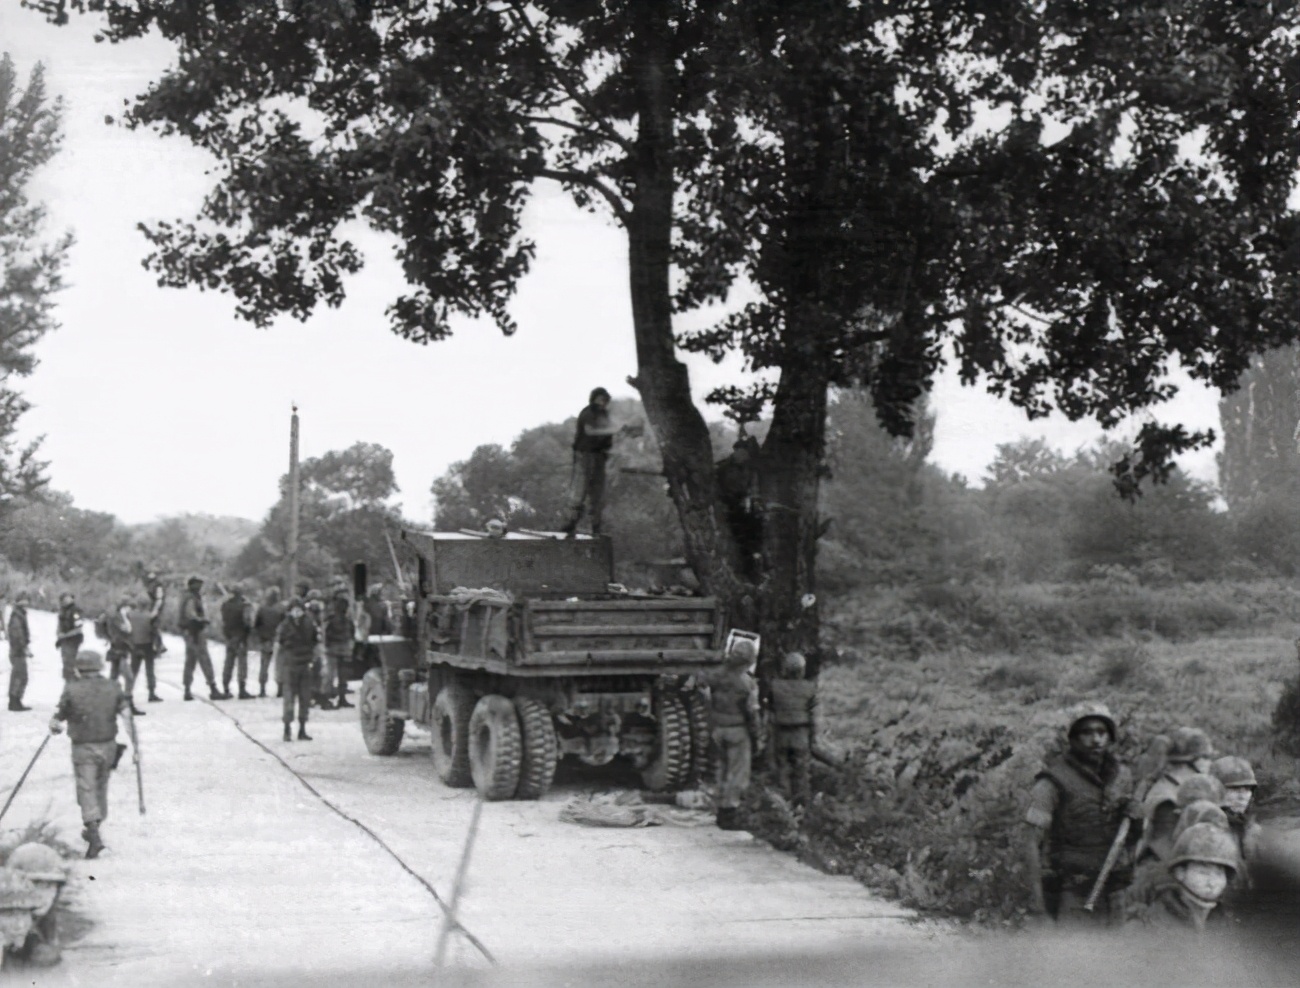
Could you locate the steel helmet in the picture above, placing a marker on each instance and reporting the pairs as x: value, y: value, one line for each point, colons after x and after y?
x: 1186, y: 744
x: 1200, y: 811
x: 88, y: 660
x: 18, y: 892
x: 1208, y: 843
x: 1199, y: 787
x: 793, y: 664
x: 742, y: 652
x: 39, y: 862
x: 1090, y: 710
x: 1234, y: 772
x: 194, y: 581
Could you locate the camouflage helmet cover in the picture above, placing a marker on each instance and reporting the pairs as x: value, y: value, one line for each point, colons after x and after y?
x: 1090, y: 710
x: 1234, y: 772
x: 1207, y: 843
x: 1199, y: 787
x: 18, y: 892
x: 39, y: 862
x: 1186, y: 744
x: 88, y: 660
x: 1200, y: 811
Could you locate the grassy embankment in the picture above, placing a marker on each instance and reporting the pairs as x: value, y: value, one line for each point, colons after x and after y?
x: 947, y: 699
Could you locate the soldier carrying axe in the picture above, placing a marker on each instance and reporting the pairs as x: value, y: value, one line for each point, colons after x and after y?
x: 1079, y: 801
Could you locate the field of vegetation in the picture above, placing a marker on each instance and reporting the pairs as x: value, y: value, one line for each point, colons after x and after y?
x: 946, y: 707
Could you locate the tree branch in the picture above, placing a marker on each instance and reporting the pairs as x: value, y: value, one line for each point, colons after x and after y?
x: 590, y: 181
x: 566, y: 83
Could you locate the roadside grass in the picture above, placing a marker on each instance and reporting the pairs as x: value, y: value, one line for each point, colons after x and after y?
x: 943, y: 746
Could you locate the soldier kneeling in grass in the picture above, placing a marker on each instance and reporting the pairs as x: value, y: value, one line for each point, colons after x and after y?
x: 1076, y: 806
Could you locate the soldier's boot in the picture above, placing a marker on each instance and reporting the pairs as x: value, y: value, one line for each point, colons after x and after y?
x: 728, y: 818
x: 302, y: 732
x: 155, y: 698
x: 325, y: 703
x: 18, y: 706
x: 245, y: 695
x: 342, y: 702
x: 288, y: 732
x: 261, y: 692
x: 93, y: 843
x: 188, y: 694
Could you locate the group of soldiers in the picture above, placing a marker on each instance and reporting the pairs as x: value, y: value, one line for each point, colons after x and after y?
x: 1165, y: 850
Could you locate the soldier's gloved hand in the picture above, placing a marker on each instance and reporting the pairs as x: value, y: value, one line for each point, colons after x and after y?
x: 56, y: 726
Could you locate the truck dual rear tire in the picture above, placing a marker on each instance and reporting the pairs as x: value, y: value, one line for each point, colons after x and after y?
x: 495, y: 747
x: 541, y: 748
x: 452, y: 709
x: 382, y: 733
x: 671, y: 764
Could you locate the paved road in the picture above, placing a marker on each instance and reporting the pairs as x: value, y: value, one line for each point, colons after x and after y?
x: 237, y: 869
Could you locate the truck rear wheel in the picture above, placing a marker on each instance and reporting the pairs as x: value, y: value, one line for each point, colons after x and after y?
x: 452, y: 708
x: 672, y: 761
x: 697, y: 712
x: 495, y: 747
x: 382, y: 732
x: 541, y: 748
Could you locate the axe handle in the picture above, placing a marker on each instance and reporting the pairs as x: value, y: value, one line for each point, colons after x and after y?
x: 1116, y: 848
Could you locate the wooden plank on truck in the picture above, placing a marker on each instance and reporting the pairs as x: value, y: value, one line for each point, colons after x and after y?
x: 575, y: 630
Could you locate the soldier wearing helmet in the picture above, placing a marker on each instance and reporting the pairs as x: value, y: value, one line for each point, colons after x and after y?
x: 296, y: 642
x: 236, y: 625
x: 1201, y: 865
x: 1190, y: 754
x: 41, y: 865
x: 1239, y: 783
x: 794, y: 715
x: 1075, y: 808
x: 733, y: 701
x: 90, y: 705
x: 20, y: 650
x: 194, y: 624
x: 265, y: 621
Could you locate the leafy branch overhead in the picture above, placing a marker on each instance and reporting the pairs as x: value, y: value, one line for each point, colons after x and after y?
x: 1066, y: 200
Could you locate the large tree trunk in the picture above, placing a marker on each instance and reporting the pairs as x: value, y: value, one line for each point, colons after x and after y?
x: 662, y: 379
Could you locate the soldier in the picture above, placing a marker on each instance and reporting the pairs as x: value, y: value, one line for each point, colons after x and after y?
x: 41, y: 865
x: 117, y: 624
x: 157, y: 594
x: 236, y: 624
x: 1076, y: 806
x: 143, y: 643
x: 265, y: 622
x: 90, y: 704
x: 1202, y: 863
x: 340, y: 632
x: 20, y: 650
x: 733, y: 699
x: 1190, y: 753
x: 794, y: 713
x: 193, y: 628
x: 592, y: 441
x: 1239, y: 783
x: 296, y: 640
x: 69, y: 635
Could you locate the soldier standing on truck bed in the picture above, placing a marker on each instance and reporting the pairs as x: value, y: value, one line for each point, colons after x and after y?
x: 591, y: 445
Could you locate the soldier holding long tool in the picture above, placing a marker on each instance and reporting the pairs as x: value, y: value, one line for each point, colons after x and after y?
x: 1078, y: 804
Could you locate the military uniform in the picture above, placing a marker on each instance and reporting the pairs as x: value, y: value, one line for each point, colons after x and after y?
x: 157, y: 594
x: 90, y: 705
x: 69, y: 637
x: 733, y: 699
x: 20, y: 642
x: 1171, y: 904
x: 142, y: 648
x: 236, y: 625
x: 794, y: 717
x: 265, y: 622
x: 42, y: 866
x: 590, y: 450
x: 296, y: 642
x: 193, y: 627
x: 118, y: 625
x: 1160, y: 808
x: 340, y: 638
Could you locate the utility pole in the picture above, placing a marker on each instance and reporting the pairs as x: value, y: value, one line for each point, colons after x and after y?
x: 291, y: 563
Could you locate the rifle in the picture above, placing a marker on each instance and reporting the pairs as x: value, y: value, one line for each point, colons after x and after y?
x: 1151, y: 764
x: 23, y: 778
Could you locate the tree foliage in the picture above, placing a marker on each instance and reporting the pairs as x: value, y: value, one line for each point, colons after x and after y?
x: 30, y: 265
x: 1068, y: 198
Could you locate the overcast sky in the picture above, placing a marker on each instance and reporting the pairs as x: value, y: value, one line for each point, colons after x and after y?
x: 157, y: 401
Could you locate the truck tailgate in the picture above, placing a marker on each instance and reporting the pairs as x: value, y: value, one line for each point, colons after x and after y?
x: 582, y: 632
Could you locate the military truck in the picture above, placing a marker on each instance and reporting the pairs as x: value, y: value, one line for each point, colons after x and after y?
x: 519, y: 651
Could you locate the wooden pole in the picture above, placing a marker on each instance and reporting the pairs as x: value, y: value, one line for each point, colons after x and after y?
x: 291, y: 564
